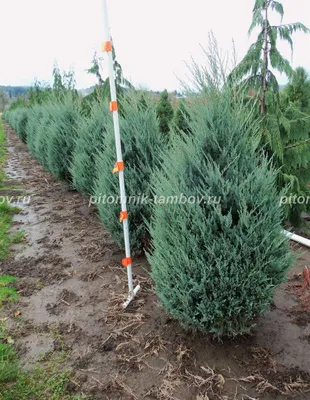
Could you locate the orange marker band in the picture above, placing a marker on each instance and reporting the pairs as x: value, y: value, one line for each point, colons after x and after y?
x: 119, y: 166
x: 113, y: 106
x: 106, y: 46
x: 126, y: 262
x: 123, y: 215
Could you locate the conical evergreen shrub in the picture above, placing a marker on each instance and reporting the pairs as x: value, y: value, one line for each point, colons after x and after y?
x: 91, y: 140
x: 217, y: 261
x: 10, y: 117
x: 22, y: 124
x: 165, y: 112
x: 181, y: 118
x: 41, y: 140
x: 18, y: 120
x: 33, y: 127
x: 141, y: 144
x: 62, y: 135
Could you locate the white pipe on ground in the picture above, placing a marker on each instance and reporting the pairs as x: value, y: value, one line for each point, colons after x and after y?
x: 297, y: 238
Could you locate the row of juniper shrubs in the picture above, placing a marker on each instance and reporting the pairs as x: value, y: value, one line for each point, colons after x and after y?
x: 215, y: 265
x: 50, y: 131
x: 81, y: 150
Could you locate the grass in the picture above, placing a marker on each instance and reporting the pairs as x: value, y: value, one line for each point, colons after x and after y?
x: 17, y: 237
x: 3, y: 153
x: 7, y: 293
x: 44, y: 382
x: 9, y: 368
x: 11, y: 187
x: 5, y: 222
x: 6, y: 217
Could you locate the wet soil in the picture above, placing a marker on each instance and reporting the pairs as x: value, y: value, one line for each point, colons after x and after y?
x: 72, y: 287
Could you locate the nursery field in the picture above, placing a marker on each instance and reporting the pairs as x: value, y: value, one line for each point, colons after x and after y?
x: 71, y: 288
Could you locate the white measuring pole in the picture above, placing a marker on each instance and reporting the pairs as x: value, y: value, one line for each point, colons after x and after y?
x: 119, y: 167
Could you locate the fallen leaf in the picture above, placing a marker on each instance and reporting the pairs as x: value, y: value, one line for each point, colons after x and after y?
x: 220, y: 381
x: 16, y: 314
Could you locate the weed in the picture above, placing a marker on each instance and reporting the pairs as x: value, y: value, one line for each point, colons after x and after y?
x: 17, y: 237
x: 7, y: 293
x: 9, y: 368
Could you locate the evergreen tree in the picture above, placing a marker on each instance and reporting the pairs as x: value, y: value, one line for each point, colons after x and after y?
x: 182, y: 118
x: 95, y: 68
x: 263, y: 55
x: 216, y: 263
x: 4, y: 100
x: 295, y: 136
x: 39, y: 93
x: 120, y: 81
x: 63, y: 83
x: 298, y: 90
x: 102, y: 89
x: 279, y: 118
x: 142, y: 104
x: 164, y: 112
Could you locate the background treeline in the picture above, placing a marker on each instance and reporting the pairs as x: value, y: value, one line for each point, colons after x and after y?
x: 241, y: 140
x: 15, y: 91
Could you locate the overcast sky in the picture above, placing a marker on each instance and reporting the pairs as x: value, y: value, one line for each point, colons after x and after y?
x: 153, y: 38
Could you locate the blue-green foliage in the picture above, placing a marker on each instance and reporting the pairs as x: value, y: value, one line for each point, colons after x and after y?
x: 34, y: 117
x: 41, y: 141
x: 62, y: 135
x: 141, y: 144
x: 50, y: 131
x: 18, y: 120
x: 91, y: 140
x: 216, y: 264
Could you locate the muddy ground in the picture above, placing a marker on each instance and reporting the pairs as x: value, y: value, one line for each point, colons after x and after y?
x: 72, y: 287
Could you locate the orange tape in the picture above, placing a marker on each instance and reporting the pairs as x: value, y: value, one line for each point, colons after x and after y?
x: 126, y: 262
x: 106, y: 46
x: 123, y: 215
x: 119, y: 166
x: 113, y: 106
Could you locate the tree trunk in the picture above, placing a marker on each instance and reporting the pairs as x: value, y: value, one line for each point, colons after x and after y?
x: 265, y: 66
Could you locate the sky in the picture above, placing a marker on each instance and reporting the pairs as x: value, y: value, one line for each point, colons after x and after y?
x: 153, y: 39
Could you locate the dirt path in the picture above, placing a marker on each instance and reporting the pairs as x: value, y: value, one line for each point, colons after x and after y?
x: 72, y: 287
